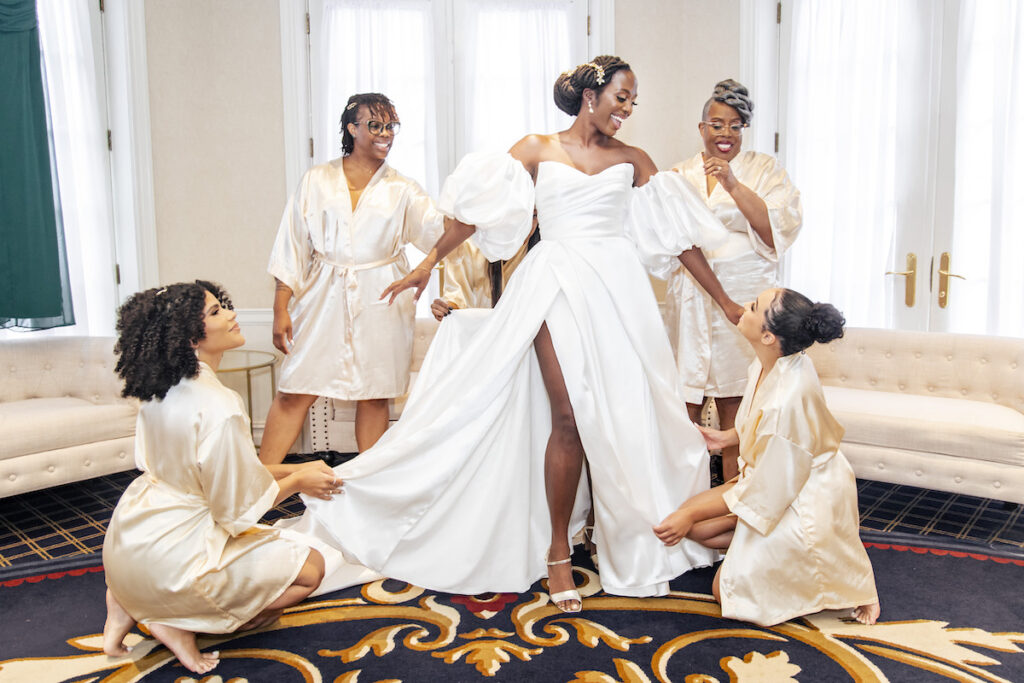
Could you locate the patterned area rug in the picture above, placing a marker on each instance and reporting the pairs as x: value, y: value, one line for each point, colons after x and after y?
x: 946, y: 615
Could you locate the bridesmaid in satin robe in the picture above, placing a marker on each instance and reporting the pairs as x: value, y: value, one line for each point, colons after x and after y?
x: 184, y: 552
x: 789, y: 519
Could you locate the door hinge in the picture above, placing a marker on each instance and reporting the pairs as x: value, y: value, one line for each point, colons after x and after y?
x: 778, y: 13
x: 110, y: 141
x: 776, y: 143
x: 311, y: 148
x: 307, y: 23
x: 117, y: 272
x: 588, y: 24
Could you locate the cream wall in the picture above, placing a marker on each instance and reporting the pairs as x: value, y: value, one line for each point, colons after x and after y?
x: 679, y: 50
x: 217, y: 123
x: 218, y: 140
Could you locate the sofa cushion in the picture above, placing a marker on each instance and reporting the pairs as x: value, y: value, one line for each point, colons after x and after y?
x: 43, y: 424
x: 931, y: 424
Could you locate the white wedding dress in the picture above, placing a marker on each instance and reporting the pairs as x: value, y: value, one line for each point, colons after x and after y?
x: 452, y: 497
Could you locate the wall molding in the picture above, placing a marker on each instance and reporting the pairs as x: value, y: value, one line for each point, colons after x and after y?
x: 135, y: 234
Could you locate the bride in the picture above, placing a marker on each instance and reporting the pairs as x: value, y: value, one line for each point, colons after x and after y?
x: 474, y: 489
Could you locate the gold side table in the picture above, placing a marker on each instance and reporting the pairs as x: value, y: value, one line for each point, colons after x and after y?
x: 249, y: 361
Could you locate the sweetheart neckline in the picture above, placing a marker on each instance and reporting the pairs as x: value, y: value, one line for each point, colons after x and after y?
x: 583, y: 173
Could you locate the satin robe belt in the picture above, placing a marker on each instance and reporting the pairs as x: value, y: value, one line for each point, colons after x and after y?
x: 354, y: 304
x: 817, y: 462
x: 168, y: 490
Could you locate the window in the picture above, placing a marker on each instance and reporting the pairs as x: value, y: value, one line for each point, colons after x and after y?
x: 901, y: 122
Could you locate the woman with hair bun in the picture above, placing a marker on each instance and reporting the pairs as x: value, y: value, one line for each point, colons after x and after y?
x: 757, y: 205
x: 341, y: 240
x: 475, y: 488
x: 184, y: 552
x: 789, y: 519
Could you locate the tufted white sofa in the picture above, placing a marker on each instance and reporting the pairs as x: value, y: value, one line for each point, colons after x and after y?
x: 938, y: 411
x: 331, y: 422
x: 62, y: 418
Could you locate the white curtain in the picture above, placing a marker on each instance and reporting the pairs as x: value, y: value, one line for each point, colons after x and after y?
x: 369, y: 46
x: 860, y: 116
x: 510, y: 52
x: 988, y: 237
x: 73, y: 67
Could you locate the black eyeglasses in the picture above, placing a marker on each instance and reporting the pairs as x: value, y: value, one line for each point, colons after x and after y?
x: 378, y: 127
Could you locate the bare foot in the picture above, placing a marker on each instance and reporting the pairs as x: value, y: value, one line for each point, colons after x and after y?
x: 673, y: 528
x: 560, y: 580
x: 867, y: 614
x: 183, y: 645
x: 117, y: 626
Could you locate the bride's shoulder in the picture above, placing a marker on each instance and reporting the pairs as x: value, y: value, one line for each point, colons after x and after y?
x: 643, y: 166
x: 533, y: 149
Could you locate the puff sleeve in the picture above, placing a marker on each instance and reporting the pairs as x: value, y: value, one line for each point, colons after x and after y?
x: 666, y: 217
x: 495, y: 193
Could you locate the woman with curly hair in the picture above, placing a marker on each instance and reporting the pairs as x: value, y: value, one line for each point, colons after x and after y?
x: 478, y: 481
x: 341, y: 240
x: 789, y: 519
x: 759, y: 208
x: 183, y: 552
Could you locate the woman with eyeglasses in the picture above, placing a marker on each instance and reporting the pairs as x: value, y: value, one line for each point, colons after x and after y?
x: 340, y: 242
x: 752, y: 197
x: 479, y: 487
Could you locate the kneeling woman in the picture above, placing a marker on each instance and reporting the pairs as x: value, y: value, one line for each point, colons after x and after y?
x: 790, y: 519
x: 184, y: 552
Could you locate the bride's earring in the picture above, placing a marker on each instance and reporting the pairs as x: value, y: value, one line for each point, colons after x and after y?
x: 590, y: 106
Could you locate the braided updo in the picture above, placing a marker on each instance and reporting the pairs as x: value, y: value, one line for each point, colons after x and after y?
x: 156, y: 331
x: 798, y: 322
x: 735, y: 95
x: 569, y: 85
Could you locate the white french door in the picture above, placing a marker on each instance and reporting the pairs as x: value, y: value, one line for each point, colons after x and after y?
x: 900, y: 122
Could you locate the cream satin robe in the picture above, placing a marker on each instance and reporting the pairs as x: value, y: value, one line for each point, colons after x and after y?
x: 712, y: 356
x: 796, y: 549
x: 348, y: 344
x: 183, y: 547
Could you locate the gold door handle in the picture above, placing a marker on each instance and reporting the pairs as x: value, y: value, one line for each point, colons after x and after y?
x: 910, y: 288
x: 944, y: 276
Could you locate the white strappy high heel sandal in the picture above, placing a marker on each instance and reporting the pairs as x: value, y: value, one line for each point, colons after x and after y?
x: 564, y: 596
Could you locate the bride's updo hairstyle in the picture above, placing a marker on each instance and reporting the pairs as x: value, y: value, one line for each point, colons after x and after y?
x: 798, y: 322
x: 569, y: 85
x: 156, y: 331
x: 736, y: 96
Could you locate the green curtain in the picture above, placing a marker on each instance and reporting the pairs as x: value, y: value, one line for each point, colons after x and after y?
x: 34, y: 285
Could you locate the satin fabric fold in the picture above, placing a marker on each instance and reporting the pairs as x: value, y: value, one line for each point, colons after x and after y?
x: 183, y: 547
x: 452, y: 497
x: 797, y: 548
x: 712, y: 356
x: 349, y: 344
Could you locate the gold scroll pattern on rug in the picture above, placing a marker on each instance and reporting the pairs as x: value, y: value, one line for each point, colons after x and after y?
x: 417, y: 622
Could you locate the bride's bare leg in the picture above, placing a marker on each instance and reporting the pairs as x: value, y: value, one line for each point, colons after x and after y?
x: 563, y: 463
x: 117, y: 626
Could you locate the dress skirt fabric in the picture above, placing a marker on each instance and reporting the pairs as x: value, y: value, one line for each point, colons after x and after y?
x: 452, y: 498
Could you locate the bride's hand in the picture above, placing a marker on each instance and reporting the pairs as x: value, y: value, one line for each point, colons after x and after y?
x: 418, y: 278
